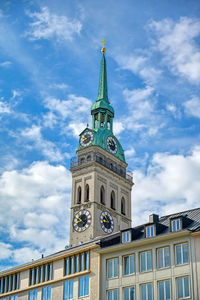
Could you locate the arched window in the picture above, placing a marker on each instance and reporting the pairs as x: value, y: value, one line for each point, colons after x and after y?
x: 82, y: 160
x: 87, y: 193
x: 111, y: 166
x: 96, y: 121
x: 123, y: 209
x: 108, y: 122
x: 102, y: 195
x: 79, y: 195
x: 102, y: 120
x: 112, y: 200
x: 89, y: 158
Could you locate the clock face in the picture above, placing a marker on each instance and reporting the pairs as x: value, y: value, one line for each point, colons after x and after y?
x: 82, y: 220
x: 111, y: 144
x: 107, y: 223
x: 86, y: 138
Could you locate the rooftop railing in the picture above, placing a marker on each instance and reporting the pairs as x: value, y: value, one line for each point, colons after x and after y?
x: 109, y: 165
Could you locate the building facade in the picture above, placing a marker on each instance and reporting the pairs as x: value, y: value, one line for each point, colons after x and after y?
x: 106, y: 258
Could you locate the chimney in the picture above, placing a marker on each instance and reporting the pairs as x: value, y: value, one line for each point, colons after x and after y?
x: 153, y: 218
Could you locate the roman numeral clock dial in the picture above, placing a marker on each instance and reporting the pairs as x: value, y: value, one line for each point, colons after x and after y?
x: 82, y: 220
x: 107, y: 223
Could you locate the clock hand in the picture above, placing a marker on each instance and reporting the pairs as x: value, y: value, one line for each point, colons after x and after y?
x: 78, y: 218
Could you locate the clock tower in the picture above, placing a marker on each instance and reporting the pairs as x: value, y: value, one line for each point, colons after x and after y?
x: 101, y: 185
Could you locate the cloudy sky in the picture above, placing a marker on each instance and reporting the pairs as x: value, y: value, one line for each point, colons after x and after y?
x: 49, y: 71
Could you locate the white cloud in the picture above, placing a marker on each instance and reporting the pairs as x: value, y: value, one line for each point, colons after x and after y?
x: 176, y: 41
x: 15, y: 94
x: 4, y: 108
x: 34, y: 205
x: 130, y: 152
x: 59, y: 86
x: 75, y: 109
x: 118, y: 127
x: 47, y: 25
x: 192, y: 107
x: 170, y: 184
x: 5, y: 64
x: 140, y: 65
x: 48, y: 148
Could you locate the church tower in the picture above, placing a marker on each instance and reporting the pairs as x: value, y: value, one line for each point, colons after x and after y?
x: 101, y: 186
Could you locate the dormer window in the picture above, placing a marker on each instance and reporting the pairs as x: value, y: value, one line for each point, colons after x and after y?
x: 126, y: 237
x: 150, y: 231
x: 176, y: 224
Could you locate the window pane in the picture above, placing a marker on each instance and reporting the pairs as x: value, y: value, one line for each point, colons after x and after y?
x: 81, y: 285
x: 44, y: 294
x: 178, y: 224
x: 186, y: 286
x: 143, y: 262
x: 143, y: 292
x: 77, y: 263
x: 149, y: 264
x: 110, y: 263
x: 49, y: 293
x: 126, y: 294
x: 126, y: 265
x: 168, y: 290
x: 185, y: 253
x: 72, y: 265
x: 166, y: 254
x: 66, y: 288
x: 160, y: 258
x: 71, y: 283
x: 178, y: 254
x: 87, y: 261
x: 161, y: 291
x: 115, y: 267
x: 115, y: 295
x: 132, y: 293
x: 86, y: 285
x: 67, y: 266
x: 132, y: 264
x: 31, y: 295
x: 149, y: 288
x: 180, y: 288
x: 110, y: 295
x: 45, y: 273
x: 41, y: 273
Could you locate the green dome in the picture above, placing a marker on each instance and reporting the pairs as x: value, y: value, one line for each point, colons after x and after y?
x: 102, y: 104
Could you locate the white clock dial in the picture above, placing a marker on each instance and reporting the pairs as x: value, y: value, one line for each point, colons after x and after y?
x: 86, y: 138
x: 107, y: 222
x: 111, y: 144
x: 82, y: 220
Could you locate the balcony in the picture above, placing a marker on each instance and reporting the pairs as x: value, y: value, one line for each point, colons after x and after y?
x: 125, y: 174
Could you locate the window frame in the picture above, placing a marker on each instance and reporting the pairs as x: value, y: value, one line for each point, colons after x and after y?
x: 84, y: 286
x: 165, y: 280
x: 149, y: 235
x: 175, y: 220
x: 113, y: 267
x: 163, y: 258
x: 126, y: 233
x: 146, y: 284
x: 112, y: 290
x: 69, y: 281
x: 182, y: 263
x: 129, y: 288
x: 146, y: 261
x: 123, y: 259
x: 183, y: 285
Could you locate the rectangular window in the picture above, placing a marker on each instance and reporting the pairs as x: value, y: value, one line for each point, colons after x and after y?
x: 129, y: 264
x: 163, y: 257
x: 182, y: 254
x: 146, y: 291
x: 129, y: 293
x: 150, y: 231
x: 176, y: 225
x: 67, y: 266
x: 126, y: 237
x: 112, y: 268
x: 164, y: 290
x: 183, y: 287
x: 82, y: 261
x: 41, y: 274
x: 50, y: 272
x: 32, y: 277
x: 46, y: 293
x: 36, y: 275
x: 77, y: 264
x: 14, y: 297
x: 87, y: 261
x: 71, y: 265
x: 33, y: 295
x: 5, y: 285
x: 46, y: 273
x: 83, y: 286
x: 145, y: 261
x: 113, y: 294
x: 68, y: 289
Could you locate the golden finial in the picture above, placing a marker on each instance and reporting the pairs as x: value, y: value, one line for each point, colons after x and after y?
x: 103, y: 50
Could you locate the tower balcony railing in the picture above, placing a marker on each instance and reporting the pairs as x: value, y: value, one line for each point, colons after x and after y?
x: 77, y: 163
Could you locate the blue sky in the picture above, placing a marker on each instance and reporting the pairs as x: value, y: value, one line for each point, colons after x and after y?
x: 49, y: 71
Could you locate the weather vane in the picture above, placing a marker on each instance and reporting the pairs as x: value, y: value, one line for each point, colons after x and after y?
x: 103, y: 42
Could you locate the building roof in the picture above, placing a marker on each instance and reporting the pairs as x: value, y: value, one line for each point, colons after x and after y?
x: 190, y: 221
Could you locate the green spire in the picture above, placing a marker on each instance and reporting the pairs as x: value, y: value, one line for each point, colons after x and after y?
x: 103, y: 92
